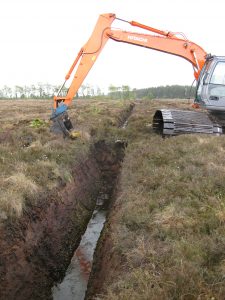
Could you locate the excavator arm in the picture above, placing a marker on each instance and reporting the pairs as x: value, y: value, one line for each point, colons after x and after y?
x: 86, y: 58
x: 159, y: 40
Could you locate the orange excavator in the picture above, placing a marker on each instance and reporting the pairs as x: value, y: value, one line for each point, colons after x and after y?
x: 209, y: 72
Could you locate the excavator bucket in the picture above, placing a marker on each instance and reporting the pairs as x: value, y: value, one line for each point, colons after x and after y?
x: 61, y: 124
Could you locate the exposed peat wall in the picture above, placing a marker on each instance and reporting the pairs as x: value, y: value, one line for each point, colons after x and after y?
x: 36, y: 250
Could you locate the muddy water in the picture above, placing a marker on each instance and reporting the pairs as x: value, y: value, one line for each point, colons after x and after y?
x: 74, y: 284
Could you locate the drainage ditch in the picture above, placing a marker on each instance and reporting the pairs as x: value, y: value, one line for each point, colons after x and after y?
x: 75, y: 282
x: 36, y: 250
x: 42, y: 248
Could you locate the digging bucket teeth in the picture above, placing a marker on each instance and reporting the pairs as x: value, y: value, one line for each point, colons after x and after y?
x: 61, y: 123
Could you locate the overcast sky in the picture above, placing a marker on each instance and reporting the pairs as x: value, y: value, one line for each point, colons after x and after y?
x: 40, y: 39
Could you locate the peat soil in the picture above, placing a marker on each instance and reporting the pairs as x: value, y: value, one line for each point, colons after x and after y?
x: 36, y: 250
x: 74, y: 284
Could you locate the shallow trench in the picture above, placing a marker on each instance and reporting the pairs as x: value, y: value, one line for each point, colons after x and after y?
x: 36, y: 250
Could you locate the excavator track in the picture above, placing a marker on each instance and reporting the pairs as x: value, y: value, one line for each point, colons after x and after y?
x: 175, y: 122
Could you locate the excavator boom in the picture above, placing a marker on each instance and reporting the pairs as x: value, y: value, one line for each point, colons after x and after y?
x: 164, y: 41
x: 87, y: 57
x: 171, y: 45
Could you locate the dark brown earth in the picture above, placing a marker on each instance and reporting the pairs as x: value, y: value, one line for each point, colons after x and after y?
x: 105, y: 263
x: 35, y: 250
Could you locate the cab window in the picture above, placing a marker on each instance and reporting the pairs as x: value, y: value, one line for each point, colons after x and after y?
x: 218, y: 76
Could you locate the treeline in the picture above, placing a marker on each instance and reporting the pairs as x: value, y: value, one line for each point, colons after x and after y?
x: 171, y: 92
x: 47, y: 91
x: 39, y: 91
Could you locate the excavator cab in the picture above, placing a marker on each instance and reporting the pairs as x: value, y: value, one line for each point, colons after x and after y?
x: 210, y: 93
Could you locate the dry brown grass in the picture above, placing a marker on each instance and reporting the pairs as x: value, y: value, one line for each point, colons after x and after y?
x: 14, y: 190
x: 33, y: 160
x: 169, y: 216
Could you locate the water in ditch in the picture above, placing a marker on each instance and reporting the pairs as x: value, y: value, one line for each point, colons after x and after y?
x: 74, y: 284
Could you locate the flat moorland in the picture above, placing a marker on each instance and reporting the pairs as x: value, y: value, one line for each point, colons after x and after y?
x: 166, y: 237
x: 32, y: 159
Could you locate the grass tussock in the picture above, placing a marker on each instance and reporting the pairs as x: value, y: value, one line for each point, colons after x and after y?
x: 33, y: 160
x: 170, y: 219
x: 14, y: 190
x: 168, y: 222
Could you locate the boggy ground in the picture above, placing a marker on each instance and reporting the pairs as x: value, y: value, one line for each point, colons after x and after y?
x: 49, y: 186
x: 164, y: 237
x: 32, y: 160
